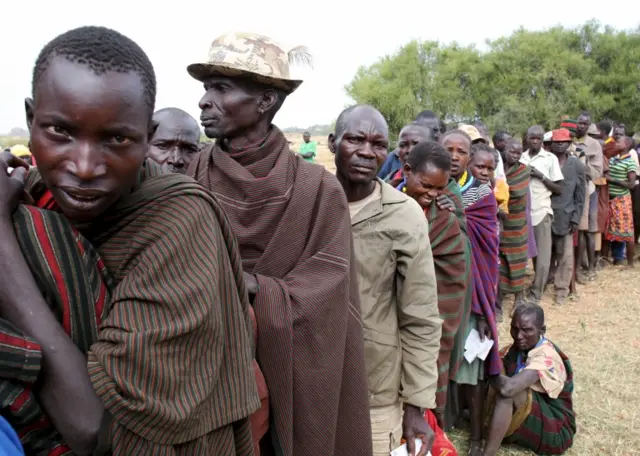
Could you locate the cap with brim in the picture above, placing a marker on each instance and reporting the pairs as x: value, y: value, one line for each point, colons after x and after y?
x: 472, y: 131
x: 593, y: 130
x: 547, y: 136
x: 252, y: 56
x: 561, y: 135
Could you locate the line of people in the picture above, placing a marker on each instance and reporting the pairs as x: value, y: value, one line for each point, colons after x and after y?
x: 257, y: 304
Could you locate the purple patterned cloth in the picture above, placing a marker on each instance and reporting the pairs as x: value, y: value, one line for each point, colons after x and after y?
x: 482, y: 223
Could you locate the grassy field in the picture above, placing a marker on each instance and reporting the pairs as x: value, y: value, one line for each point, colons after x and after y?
x: 601, y: 334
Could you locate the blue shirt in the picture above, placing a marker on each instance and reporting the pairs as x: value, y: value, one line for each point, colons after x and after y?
x: 9, y: 441
x: 391, y: 165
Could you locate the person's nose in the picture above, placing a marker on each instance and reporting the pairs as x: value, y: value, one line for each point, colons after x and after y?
x: 87, y: 163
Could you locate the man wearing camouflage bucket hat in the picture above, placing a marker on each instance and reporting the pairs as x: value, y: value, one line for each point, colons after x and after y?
x: 293, y: 227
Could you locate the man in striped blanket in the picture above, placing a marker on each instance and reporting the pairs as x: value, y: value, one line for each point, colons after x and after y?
x: 170, y: 369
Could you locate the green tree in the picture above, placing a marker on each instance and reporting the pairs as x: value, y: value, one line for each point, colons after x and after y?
x: 527, y: 78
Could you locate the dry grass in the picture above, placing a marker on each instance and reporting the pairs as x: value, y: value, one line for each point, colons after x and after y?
x: 601, y: 335
x: 324, y: 157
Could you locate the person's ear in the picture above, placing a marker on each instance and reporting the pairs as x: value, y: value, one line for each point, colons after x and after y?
x: 153, y: 127
x: 331, y: 141
x: 29, y: 108
x: 406, y: 168
x: 543, y: 329
x: 268, y: 99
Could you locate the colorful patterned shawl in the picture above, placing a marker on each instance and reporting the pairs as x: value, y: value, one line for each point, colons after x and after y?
x: 156, y: 242
x: 452, y: 262
x: 482, y: 224
x: 292, y: 222
x: 515, y: 234
x: 551, y: 425
x: 74, y: 282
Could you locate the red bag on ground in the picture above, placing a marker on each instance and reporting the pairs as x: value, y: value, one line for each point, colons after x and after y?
x: 442, y: 446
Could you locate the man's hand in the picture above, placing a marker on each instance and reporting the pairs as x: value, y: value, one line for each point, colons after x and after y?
x: 415, y: 426
x: 445, y: 203
x: 11, y: 186
x: 537, y: 174
x: 573, y: 227
x: 483, y: 328
x: 251, y: 283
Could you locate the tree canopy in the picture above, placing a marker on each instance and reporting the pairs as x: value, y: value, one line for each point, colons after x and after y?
x: 528, y: 78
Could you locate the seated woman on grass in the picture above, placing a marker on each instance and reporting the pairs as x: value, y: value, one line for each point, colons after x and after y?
x: 532, y: 405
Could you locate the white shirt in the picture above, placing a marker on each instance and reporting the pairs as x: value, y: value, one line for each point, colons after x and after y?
x: 548, y: 165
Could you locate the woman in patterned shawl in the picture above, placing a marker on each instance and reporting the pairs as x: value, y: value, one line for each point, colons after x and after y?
x: 482, y: 227
x: 515, y: 234
x: 427, y: 170
x: 530, y: 404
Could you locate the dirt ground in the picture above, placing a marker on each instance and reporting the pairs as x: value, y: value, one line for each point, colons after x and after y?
x: 601, y: 335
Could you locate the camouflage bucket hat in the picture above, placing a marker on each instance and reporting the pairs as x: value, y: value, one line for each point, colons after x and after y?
x: 255, y: 56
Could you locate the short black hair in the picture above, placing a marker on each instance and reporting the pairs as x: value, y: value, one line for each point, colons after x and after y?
x: 535, y: 129
x: 499, y: 135
x: 530, y: 308
x: 427, y: 114
x: 584, y: 114
x: 102, y: 50
x: 605, y: 126
x: 341, y: 122
x: 483, y: 147
x: 427, y: 153
x: 513, y: 141
x: 456, y: 132
x: 418, y: 126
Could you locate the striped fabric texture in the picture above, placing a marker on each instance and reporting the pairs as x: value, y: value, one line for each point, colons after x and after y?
x: 172, y: 363
x: 294, y: 230
x: 74, y: 282
x: 452, y: 262
x: 515, y: 233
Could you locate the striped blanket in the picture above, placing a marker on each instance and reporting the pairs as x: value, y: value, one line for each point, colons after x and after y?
x: 515, y: 233
x: 482, y: 224
x: 74, y: 282
x: 551, y: 425
x: 155, y: 243
x: 452, y: 262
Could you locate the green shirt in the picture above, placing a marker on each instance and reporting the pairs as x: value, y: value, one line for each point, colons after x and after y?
x: 305, y: 148
x: 619, y: 169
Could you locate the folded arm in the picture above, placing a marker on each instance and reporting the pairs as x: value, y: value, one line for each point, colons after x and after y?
x: 66, y: 393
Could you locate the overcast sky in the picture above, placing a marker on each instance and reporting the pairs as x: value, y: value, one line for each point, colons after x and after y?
x: 342, y: 35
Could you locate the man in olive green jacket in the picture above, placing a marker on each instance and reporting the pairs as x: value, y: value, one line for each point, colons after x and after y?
x: 397, y: 285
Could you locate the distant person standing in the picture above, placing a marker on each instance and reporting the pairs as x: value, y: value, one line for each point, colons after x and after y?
x: 308, y: 148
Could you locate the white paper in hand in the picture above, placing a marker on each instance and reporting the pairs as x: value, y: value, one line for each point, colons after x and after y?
x: 402, y: 451
x: 476, y: 348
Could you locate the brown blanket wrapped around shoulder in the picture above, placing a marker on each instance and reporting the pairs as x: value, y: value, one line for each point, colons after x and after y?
x: 172, y: 363
x: 293, y: 226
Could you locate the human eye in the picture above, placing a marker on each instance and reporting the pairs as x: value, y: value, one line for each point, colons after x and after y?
x: 57, y: 130
x: 120, y: 140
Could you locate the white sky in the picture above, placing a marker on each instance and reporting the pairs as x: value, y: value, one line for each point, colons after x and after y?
x: 342, y: 35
